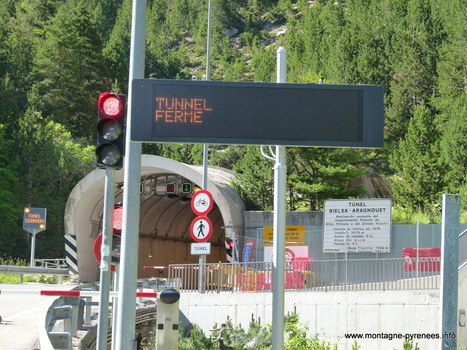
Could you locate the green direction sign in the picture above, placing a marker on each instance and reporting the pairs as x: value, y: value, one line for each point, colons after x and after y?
x: 34, y: 219
x: 185, y: 111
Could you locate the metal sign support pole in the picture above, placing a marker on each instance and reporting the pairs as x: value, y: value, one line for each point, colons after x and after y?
x: 202, y: 257
x: 126, y: 310
x: 33, y: 248
x: 106, y: 248
x: 278, y: 263
x: 114, y: 302
x: 449, y: 271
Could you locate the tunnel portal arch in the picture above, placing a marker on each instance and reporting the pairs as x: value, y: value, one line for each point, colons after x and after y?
x: 164, y: 236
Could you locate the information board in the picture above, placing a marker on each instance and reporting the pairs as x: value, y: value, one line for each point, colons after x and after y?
x: 294, y: 235
x: 185, y: 111
x: 357, y: 226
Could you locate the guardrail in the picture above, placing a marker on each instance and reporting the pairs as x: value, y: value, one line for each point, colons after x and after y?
x: 356, y: 274
x: 32, y: 270
x: 73, y: 310
x: 22, y: 270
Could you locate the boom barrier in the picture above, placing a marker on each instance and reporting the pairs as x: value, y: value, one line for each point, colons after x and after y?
x: 73, y: 293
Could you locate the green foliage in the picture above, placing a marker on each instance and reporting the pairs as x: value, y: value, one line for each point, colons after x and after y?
x: 319, y: 174
x: 56, y: 56
x: 11, y: 278
x: 401, y: 215
x: 409, y: 345
x: 419, y: 183
x: 297, y: 336
x: 61, y: 92
x: 255, y: 179
x: 258, y: 337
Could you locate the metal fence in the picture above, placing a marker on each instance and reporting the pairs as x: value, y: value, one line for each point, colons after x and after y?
x: 401, y: 236
x: 361, y: 274
x: 330, y: 271
x: 51, y: 263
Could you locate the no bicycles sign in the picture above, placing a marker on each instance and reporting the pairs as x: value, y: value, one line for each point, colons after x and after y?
x: 202, y: 202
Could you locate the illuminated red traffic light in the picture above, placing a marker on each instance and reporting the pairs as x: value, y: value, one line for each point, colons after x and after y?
x: 170, y: 188
x: 111, y: 105
x: 110, y: 130
x: 117, y: 217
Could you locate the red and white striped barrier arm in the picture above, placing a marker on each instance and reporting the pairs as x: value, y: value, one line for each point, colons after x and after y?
x: 73, y: 293
x: 170, y: 267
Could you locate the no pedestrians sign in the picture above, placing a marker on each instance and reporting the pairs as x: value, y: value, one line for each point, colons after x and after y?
x: 201, y: 229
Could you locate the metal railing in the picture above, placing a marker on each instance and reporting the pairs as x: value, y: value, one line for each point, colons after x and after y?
x: 51, y: 263
x: 355, y: 274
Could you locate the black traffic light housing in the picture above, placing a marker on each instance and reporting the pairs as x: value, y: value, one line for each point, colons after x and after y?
x: 111, y: 130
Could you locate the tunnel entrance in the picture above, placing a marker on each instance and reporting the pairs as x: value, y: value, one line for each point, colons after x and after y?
x: 165, y: 214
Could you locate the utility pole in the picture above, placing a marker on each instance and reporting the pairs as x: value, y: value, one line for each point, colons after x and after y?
x: 126, y: 308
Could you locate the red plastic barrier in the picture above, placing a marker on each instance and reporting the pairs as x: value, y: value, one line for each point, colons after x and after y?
x: 429, y: 259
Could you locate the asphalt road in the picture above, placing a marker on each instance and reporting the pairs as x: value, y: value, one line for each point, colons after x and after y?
x: 23, y: 314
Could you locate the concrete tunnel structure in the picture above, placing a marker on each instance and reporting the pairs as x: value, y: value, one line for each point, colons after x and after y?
x: 164, y: 235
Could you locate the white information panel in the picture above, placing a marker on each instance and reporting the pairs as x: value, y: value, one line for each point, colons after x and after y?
x: 200, y: 248
x: 357, y: 226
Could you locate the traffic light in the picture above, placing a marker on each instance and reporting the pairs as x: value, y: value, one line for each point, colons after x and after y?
x: 117, y: 218
x: 170, y: 188
x: 110, y: 130
x: 186, y: 187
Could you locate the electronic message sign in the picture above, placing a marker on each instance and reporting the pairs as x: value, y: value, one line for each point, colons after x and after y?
x: 34, y: 219
x: 184, y: 111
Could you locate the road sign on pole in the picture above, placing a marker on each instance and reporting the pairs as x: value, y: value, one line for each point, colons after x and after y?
x: 98, y: 251
x: 257, y: 113
x: 201, y: 229
x: 34, y: 219
x: 202, y: 202
x: 34, y: 222
x: 201, y: 248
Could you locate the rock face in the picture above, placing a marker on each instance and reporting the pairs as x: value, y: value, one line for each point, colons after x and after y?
x: 374, y: 186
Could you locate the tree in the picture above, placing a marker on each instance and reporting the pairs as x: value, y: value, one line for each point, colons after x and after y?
x: 255, y: 180
x: 68, y: 71
x: 55, y: 162
x: 418, y: 181
x: 317, y: 174
x: 414, y: 46
x: 26, y: 29
x: 12, y: 241
x: 454, y: 146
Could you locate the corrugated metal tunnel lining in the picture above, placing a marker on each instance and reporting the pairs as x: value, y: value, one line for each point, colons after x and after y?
x: 164, y: 219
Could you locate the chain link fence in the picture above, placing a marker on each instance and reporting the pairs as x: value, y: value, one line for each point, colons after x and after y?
x: 413, y: 262
x: 401, y: 237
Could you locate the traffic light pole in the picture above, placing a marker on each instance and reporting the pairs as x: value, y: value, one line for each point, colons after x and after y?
x: 126, y: 310
x: 106, y: 249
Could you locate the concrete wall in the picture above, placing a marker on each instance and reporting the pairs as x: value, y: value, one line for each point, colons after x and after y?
x: 331, y: 314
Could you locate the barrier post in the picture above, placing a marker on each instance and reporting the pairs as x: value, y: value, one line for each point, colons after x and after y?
x: 167, y: 320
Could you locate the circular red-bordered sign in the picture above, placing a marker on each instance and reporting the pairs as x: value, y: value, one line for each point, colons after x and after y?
x: 201, y: 229
x: 202, y: 202
x: 97, y: 251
